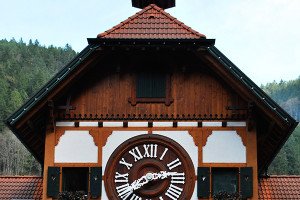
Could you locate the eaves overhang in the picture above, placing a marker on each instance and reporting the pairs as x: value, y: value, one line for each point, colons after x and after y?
x: 49, y: 86
x: 150, y: 42
x: 287, y: 122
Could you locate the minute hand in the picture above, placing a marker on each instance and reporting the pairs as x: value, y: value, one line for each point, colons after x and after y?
x: 137, y: 184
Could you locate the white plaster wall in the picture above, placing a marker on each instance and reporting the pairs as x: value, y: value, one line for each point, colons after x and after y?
x: 224, y: 147
x: 76, y: 147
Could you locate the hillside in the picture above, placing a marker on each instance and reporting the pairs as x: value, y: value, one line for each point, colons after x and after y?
x: 24, y: 68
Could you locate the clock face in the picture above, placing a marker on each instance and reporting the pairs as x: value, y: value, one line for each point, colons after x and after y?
x: 149, y: 167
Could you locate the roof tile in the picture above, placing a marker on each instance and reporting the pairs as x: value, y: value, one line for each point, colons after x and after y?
x: 21, y: 187
x: 151, y: 23
x: 279, y: 187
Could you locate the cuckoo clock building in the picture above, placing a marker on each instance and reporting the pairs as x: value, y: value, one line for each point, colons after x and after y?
x: 151, y: 109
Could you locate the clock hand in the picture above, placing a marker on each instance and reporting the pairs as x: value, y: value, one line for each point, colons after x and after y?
x: 137, y: 184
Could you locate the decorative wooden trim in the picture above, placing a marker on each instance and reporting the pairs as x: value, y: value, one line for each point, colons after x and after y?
x: 95, y: 136
x: 59, y: 133
x: 105, y: 135
x: 152, y: 117
x: 51, y: 115
x: 153, y: 124
x: 240, y: 132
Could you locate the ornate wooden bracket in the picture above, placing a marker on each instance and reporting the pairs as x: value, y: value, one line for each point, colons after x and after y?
x: 51, y: 115
x: 67, y: 108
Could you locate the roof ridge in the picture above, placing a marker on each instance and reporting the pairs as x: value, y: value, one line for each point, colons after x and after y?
x: 159, y: 10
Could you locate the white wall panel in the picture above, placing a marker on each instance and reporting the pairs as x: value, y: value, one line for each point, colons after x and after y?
x: 76, y: 147
x: 224, y: 147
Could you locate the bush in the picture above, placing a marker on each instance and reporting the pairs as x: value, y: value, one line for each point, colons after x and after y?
x: 79, y: 195
x: 226, y: 196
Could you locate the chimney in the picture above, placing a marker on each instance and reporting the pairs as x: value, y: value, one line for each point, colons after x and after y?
x: 164, y: 4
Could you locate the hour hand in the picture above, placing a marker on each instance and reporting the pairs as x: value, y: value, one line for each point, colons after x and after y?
x: 137, y: 184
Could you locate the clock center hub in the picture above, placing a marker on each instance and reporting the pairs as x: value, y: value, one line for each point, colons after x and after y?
x: 149, y: 176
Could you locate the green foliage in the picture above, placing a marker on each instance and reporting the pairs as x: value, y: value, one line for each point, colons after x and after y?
x: 287, y: 95
x: 24, y: 69
x: 288, y: 159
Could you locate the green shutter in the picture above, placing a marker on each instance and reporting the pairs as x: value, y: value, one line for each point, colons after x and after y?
x: 159, y: 85
x: 96, y: 181
x: 151, y: 85
x: 53, y: 181
x: 203, y: 181
x: 246, y: 181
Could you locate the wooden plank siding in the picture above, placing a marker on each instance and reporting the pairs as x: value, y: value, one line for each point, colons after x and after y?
x: 196, y: 92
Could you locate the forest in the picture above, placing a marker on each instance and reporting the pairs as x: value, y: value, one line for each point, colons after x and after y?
x: 25, y: 67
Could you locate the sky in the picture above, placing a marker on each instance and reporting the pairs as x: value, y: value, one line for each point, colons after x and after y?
x: 262, y: 37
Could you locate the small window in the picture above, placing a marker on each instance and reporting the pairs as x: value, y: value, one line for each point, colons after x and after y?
x: 225, y: 180
x: 151, y: 85
x: 75, y: 179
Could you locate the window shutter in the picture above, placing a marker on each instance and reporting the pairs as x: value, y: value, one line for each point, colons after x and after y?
x: 203, y: 181
x: 143, y: 85
x: 53, y: 181
x: 96, y: 181
x: 246, y: 181
x: 159, y: 86
x: 151, y: 85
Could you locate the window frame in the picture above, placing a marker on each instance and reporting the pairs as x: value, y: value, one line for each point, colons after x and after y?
x: 167, y: 100
x: 63, y: 177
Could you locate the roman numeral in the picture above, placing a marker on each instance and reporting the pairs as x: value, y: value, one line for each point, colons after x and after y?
x: 153, y: 150
x: 124, y: 191
x: 135, y: 197
x: 121, y: 178
x: 163, y: 154
x: 160, y: 198
x: 123, y: 162
x: 178, y: 178
x: 135, y: 152
x: 174, y: 192
x: 174, y: 164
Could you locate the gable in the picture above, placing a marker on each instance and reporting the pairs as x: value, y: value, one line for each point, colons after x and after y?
x: 196, y: 92
x: 151, y: 23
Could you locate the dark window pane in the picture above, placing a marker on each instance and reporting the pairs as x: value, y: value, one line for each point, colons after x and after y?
x: 151, y: 85
x: 75, y: 179
x: 225, y: 180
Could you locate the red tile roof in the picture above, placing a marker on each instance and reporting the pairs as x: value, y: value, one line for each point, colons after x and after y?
x: 279, y: 187
x: 28, y: 187
x: 151, y: 23
x: 21, y: 187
